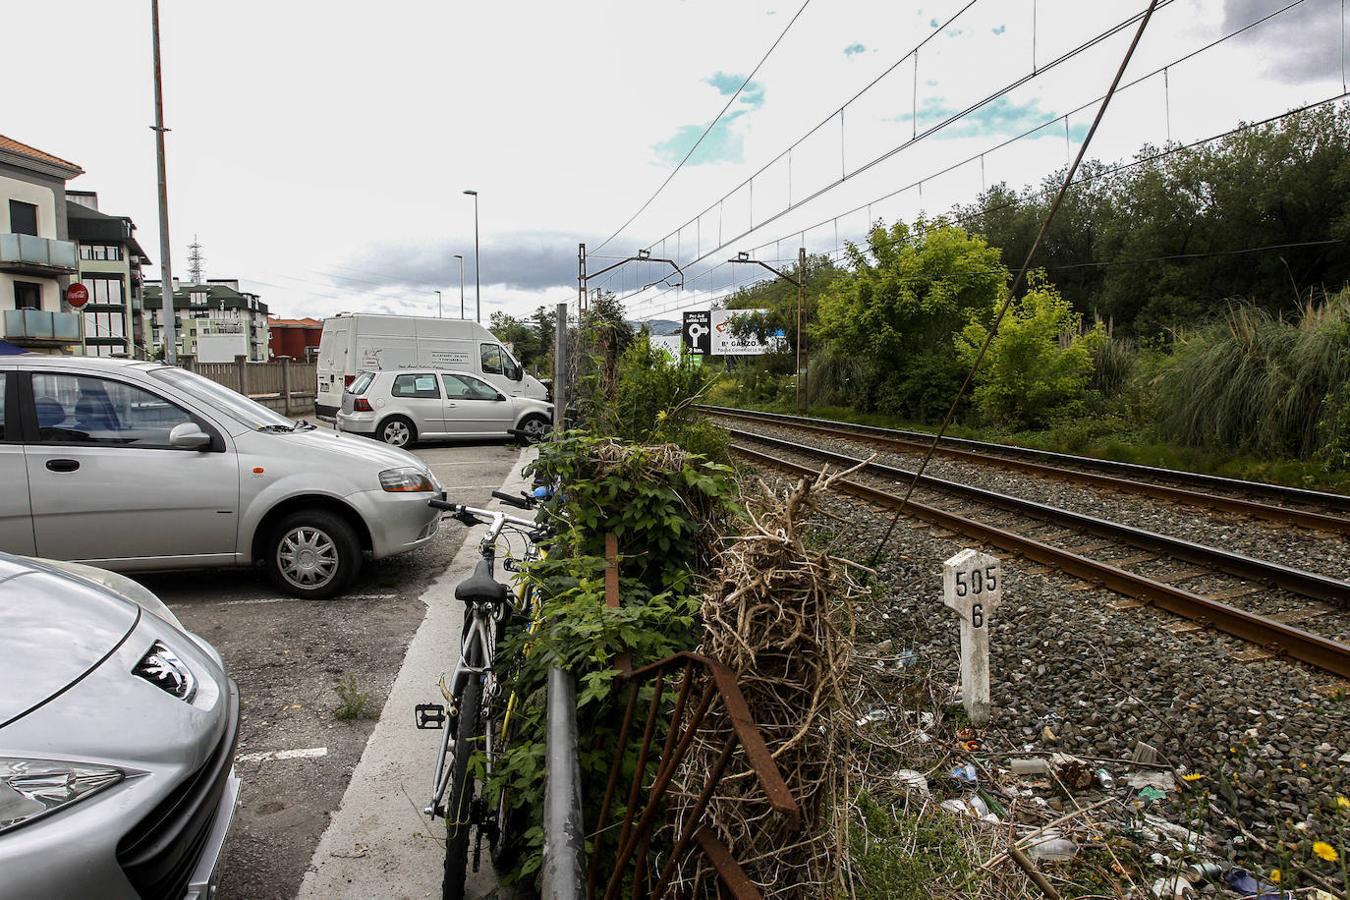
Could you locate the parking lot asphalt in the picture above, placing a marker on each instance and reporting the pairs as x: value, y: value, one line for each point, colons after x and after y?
x: 295, y: 756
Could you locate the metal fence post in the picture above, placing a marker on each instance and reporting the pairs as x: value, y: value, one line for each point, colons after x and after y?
x: 286, y: 384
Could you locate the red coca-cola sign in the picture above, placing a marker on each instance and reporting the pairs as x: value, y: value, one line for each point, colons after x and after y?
x: 77, y: 295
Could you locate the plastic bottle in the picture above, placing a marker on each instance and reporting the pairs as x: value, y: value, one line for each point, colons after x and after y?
x: 1053, y: 850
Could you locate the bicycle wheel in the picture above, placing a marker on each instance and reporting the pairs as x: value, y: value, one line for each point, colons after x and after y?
x: 468, y: 735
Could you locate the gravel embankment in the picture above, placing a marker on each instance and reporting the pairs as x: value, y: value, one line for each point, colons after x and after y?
x: 1269, y: 740
x: 1303, y: 548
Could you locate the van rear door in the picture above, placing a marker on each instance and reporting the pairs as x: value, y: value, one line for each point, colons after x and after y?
x: 333, y: 366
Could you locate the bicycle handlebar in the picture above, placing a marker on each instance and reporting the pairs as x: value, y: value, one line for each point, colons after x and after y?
x: 521, y: 502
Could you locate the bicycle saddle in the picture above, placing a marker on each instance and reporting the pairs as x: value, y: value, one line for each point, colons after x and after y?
x: 481, y: 587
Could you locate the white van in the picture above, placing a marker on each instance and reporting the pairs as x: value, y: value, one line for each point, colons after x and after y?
x: 355, y: 343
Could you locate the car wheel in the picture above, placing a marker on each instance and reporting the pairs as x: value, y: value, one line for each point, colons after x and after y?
x: 535, y: 428
x: 397, y: 432
x: 313, y: 554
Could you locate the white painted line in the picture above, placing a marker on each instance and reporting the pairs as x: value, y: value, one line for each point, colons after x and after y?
x: 297, y: 599
x: 265, y: 755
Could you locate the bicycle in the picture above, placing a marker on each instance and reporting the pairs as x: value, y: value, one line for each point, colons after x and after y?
x: 477, y: 718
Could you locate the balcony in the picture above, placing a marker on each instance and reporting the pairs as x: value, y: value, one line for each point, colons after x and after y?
x: 27, y: 254
x: 39, y: 328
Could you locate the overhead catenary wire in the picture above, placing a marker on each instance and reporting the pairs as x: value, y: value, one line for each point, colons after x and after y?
x: 730, y: 100
x: 920, y: 136
x: 1041, y: 194
x: 1021, y: 276
x: 998, y: 146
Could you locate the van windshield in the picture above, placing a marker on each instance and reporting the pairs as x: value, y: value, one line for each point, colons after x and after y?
x: 221, y: 398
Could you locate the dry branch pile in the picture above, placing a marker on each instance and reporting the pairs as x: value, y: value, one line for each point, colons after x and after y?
x: 779, y: 614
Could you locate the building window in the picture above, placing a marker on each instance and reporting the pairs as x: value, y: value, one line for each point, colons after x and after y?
x: 105, y: 291
x: 22, y: 217
x: 104, y: 325
x: 197, y: 298
x: 110, y: 252
x: 27, y: 295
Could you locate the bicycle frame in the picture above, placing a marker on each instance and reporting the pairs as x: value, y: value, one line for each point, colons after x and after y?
x: 480, y: 634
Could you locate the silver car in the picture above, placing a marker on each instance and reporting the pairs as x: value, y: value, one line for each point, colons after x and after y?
x: 404, y: 406
x: 117, y: 740
x: 139, y: 466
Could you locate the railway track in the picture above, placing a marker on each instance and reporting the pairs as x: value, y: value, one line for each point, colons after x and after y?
x: 1274, y: 634
x: 1331, y: 512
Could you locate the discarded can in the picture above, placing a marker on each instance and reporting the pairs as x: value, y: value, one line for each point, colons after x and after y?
x: 1105, y: 781
x: 1205, y: 871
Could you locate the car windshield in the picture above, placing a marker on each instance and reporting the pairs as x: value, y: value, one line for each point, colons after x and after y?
x: 232, y: 403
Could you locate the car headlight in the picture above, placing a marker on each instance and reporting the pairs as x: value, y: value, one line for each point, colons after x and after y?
x: 32, y: 788
x: 406, y: 480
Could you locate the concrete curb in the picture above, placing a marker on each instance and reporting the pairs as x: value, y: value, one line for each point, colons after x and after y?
x: 379, y: 843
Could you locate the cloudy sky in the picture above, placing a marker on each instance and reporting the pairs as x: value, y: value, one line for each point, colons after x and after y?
x: 319, y: 150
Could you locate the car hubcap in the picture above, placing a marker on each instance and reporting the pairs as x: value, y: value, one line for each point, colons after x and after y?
x: 535, y: 428
x: 308, y: 558
x: 396, y: 433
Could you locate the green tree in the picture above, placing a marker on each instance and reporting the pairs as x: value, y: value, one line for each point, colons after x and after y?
x: 1040, y: 360
x: 898, y: 312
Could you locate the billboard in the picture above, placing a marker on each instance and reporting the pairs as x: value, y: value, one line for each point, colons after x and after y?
x: 668, y: 344
x: 724, y: 343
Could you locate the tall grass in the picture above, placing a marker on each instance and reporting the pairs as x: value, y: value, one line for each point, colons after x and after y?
x: 1256, y: 382
x: 838, y: 379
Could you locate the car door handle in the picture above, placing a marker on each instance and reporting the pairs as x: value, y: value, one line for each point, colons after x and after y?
x: 63, y: 465
x: 450, y: 403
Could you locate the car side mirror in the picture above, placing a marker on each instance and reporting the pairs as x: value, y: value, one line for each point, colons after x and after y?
x: 189, y: 436
x: 517, y: 373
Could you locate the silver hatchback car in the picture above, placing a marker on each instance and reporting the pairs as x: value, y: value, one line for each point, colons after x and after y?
x: 117, y: 739
x: 139, y: 466
x: 404, y: 406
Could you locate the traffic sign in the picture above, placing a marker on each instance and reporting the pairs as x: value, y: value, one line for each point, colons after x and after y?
x: 77, y: 295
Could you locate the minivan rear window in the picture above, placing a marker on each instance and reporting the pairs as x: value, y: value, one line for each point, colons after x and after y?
x: 361, y: 383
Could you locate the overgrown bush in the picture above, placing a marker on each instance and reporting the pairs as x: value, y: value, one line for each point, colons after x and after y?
x: 665, y: 506
x: 650, y: 400
x: 1258, y: 382
x: 1039, y: 363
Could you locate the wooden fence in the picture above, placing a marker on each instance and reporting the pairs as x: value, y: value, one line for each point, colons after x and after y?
x: 283, y: 384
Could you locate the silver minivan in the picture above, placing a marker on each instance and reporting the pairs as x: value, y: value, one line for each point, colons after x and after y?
x: 140, y: 466
x: 400, y: 407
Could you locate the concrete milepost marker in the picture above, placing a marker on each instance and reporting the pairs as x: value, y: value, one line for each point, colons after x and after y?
x: 972, y: 585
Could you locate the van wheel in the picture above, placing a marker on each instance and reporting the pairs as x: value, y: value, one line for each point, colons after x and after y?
x: 313, y: 553
x: 535, y: 427
x: 397, y: 432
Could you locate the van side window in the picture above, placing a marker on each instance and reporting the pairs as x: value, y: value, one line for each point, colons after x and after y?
x: 423, y: 386
x: 2, y: 405
x: 494, y: 361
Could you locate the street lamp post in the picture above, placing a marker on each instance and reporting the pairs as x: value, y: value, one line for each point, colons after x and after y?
x: 168, y: 331
x: 477, y: 279
x: 800, y: 282
x: 438, y: 304
x: 460, y: 257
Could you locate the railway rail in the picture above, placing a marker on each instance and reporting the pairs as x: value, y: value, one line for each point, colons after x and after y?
x: 1332, y: 513
x: 1267, y: 632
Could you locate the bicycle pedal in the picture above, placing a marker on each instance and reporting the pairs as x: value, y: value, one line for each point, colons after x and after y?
x: 429, y: 716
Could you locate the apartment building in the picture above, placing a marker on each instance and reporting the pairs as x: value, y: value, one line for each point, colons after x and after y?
x: 37, y: 259
x: 109, y: 264
x: 217, y: 306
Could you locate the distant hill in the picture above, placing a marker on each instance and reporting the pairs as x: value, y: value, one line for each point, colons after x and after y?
x: 659, y: 326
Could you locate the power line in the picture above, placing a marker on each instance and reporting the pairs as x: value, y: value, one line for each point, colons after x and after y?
x: 1041, y: 194
x: 980, y: 156
x: 918, y: 136
x: 706, y: 131
x: 1088, y: 264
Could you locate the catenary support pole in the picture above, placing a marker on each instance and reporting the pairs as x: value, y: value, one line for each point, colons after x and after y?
x: 801, y: 304
x: 169, y: 333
